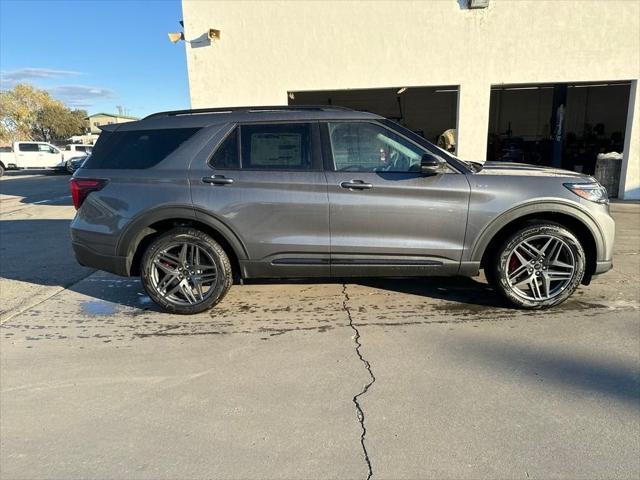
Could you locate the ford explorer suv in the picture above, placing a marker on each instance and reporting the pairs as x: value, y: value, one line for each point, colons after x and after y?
x: 192, y: 200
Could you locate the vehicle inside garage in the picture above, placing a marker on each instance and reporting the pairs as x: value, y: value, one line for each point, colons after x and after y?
x: 579, y: 127
x: 428, y: 111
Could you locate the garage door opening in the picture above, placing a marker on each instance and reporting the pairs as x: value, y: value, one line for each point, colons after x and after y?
x: 577, y: 126
x: 428, y: 111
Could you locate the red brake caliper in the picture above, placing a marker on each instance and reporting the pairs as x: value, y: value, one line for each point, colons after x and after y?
x: 513, y: 263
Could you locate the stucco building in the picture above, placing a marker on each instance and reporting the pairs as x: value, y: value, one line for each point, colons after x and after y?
x: 98, y: 119
x: 540, y: 81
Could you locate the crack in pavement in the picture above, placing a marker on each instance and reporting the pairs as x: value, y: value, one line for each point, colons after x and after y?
x: 367, y: 366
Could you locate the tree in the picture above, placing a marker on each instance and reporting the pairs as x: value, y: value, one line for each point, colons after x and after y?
x: 57, y: 123
x: 27, y: 113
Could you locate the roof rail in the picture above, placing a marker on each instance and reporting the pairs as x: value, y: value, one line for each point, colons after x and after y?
x: 199, y: 111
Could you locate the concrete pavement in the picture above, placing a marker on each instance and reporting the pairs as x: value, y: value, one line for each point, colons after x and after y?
x: 96, y: 383
x: 35, y: 248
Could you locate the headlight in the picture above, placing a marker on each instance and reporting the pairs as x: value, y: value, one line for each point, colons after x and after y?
x: 593, y: 192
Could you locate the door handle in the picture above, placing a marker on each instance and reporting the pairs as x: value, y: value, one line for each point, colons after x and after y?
x: 217, y: 180
x: 356, y: 185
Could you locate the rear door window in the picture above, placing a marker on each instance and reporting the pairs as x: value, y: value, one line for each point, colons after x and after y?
x: 281, y: 146
x: 284, y: 146
x: 136, y: 149
x: 226, y: 155
x: 28, y: 147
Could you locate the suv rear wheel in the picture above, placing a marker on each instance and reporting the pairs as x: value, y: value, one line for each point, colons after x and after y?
x: 539, y: 266
x: 186, y: 271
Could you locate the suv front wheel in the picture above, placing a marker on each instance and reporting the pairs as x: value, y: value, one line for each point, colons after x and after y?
x: 539, y: 266
x: 186, y: 271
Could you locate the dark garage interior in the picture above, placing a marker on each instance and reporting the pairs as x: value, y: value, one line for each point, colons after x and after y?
x: 579, y: 127
x: 576, y: 126
x: 428, y: 111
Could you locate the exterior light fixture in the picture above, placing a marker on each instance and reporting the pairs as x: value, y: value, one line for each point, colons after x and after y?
x: 478, y: 3
x: 206, y: 38
x: 401, y: 91
x: 175, y: 37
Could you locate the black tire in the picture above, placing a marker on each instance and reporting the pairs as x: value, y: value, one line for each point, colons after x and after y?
x: 1, y: 170
x: 538, y: 231
x: 191, y: 236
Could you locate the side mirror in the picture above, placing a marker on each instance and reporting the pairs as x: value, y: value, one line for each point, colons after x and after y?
x: 429, y: 165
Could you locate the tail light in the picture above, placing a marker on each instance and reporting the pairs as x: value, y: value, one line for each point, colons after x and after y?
x: 81, y: 187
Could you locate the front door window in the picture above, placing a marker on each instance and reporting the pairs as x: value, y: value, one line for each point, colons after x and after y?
x: 368, y: 147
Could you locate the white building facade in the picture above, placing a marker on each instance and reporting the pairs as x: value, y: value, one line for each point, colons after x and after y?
x: 434, y: 65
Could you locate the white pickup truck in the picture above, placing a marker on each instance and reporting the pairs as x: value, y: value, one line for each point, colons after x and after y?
x: 74, y: 150
x: 31, y: 155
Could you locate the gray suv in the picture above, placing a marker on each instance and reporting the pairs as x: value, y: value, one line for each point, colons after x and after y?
x: 192, y: 200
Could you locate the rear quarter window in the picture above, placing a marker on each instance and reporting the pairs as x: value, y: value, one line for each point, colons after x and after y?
x: 136, y: 149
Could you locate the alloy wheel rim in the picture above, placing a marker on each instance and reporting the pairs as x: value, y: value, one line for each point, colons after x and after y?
x: 184, y: 273
x: 540, y: 267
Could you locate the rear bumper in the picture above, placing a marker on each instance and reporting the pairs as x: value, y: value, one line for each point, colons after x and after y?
x: 109, y: 263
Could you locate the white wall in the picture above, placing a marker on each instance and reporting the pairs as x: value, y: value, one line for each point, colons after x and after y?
x: 272, y: 47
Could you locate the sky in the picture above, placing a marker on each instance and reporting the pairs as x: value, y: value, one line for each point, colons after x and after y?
x: 96, y: 54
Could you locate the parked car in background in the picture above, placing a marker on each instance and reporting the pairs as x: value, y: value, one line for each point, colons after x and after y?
x: 75, y: 163
x: 190, y: 200
x: 2, y: 167
x: 31, y: 155
x: 73, y: 150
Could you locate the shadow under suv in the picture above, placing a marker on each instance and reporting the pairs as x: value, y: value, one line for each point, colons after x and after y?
x: 190, y: 200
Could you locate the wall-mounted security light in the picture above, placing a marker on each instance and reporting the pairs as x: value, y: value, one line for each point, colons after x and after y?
x: 401, y: 91
x: 478, y: 3
x: 175, y: 37
x: 205, y: 39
